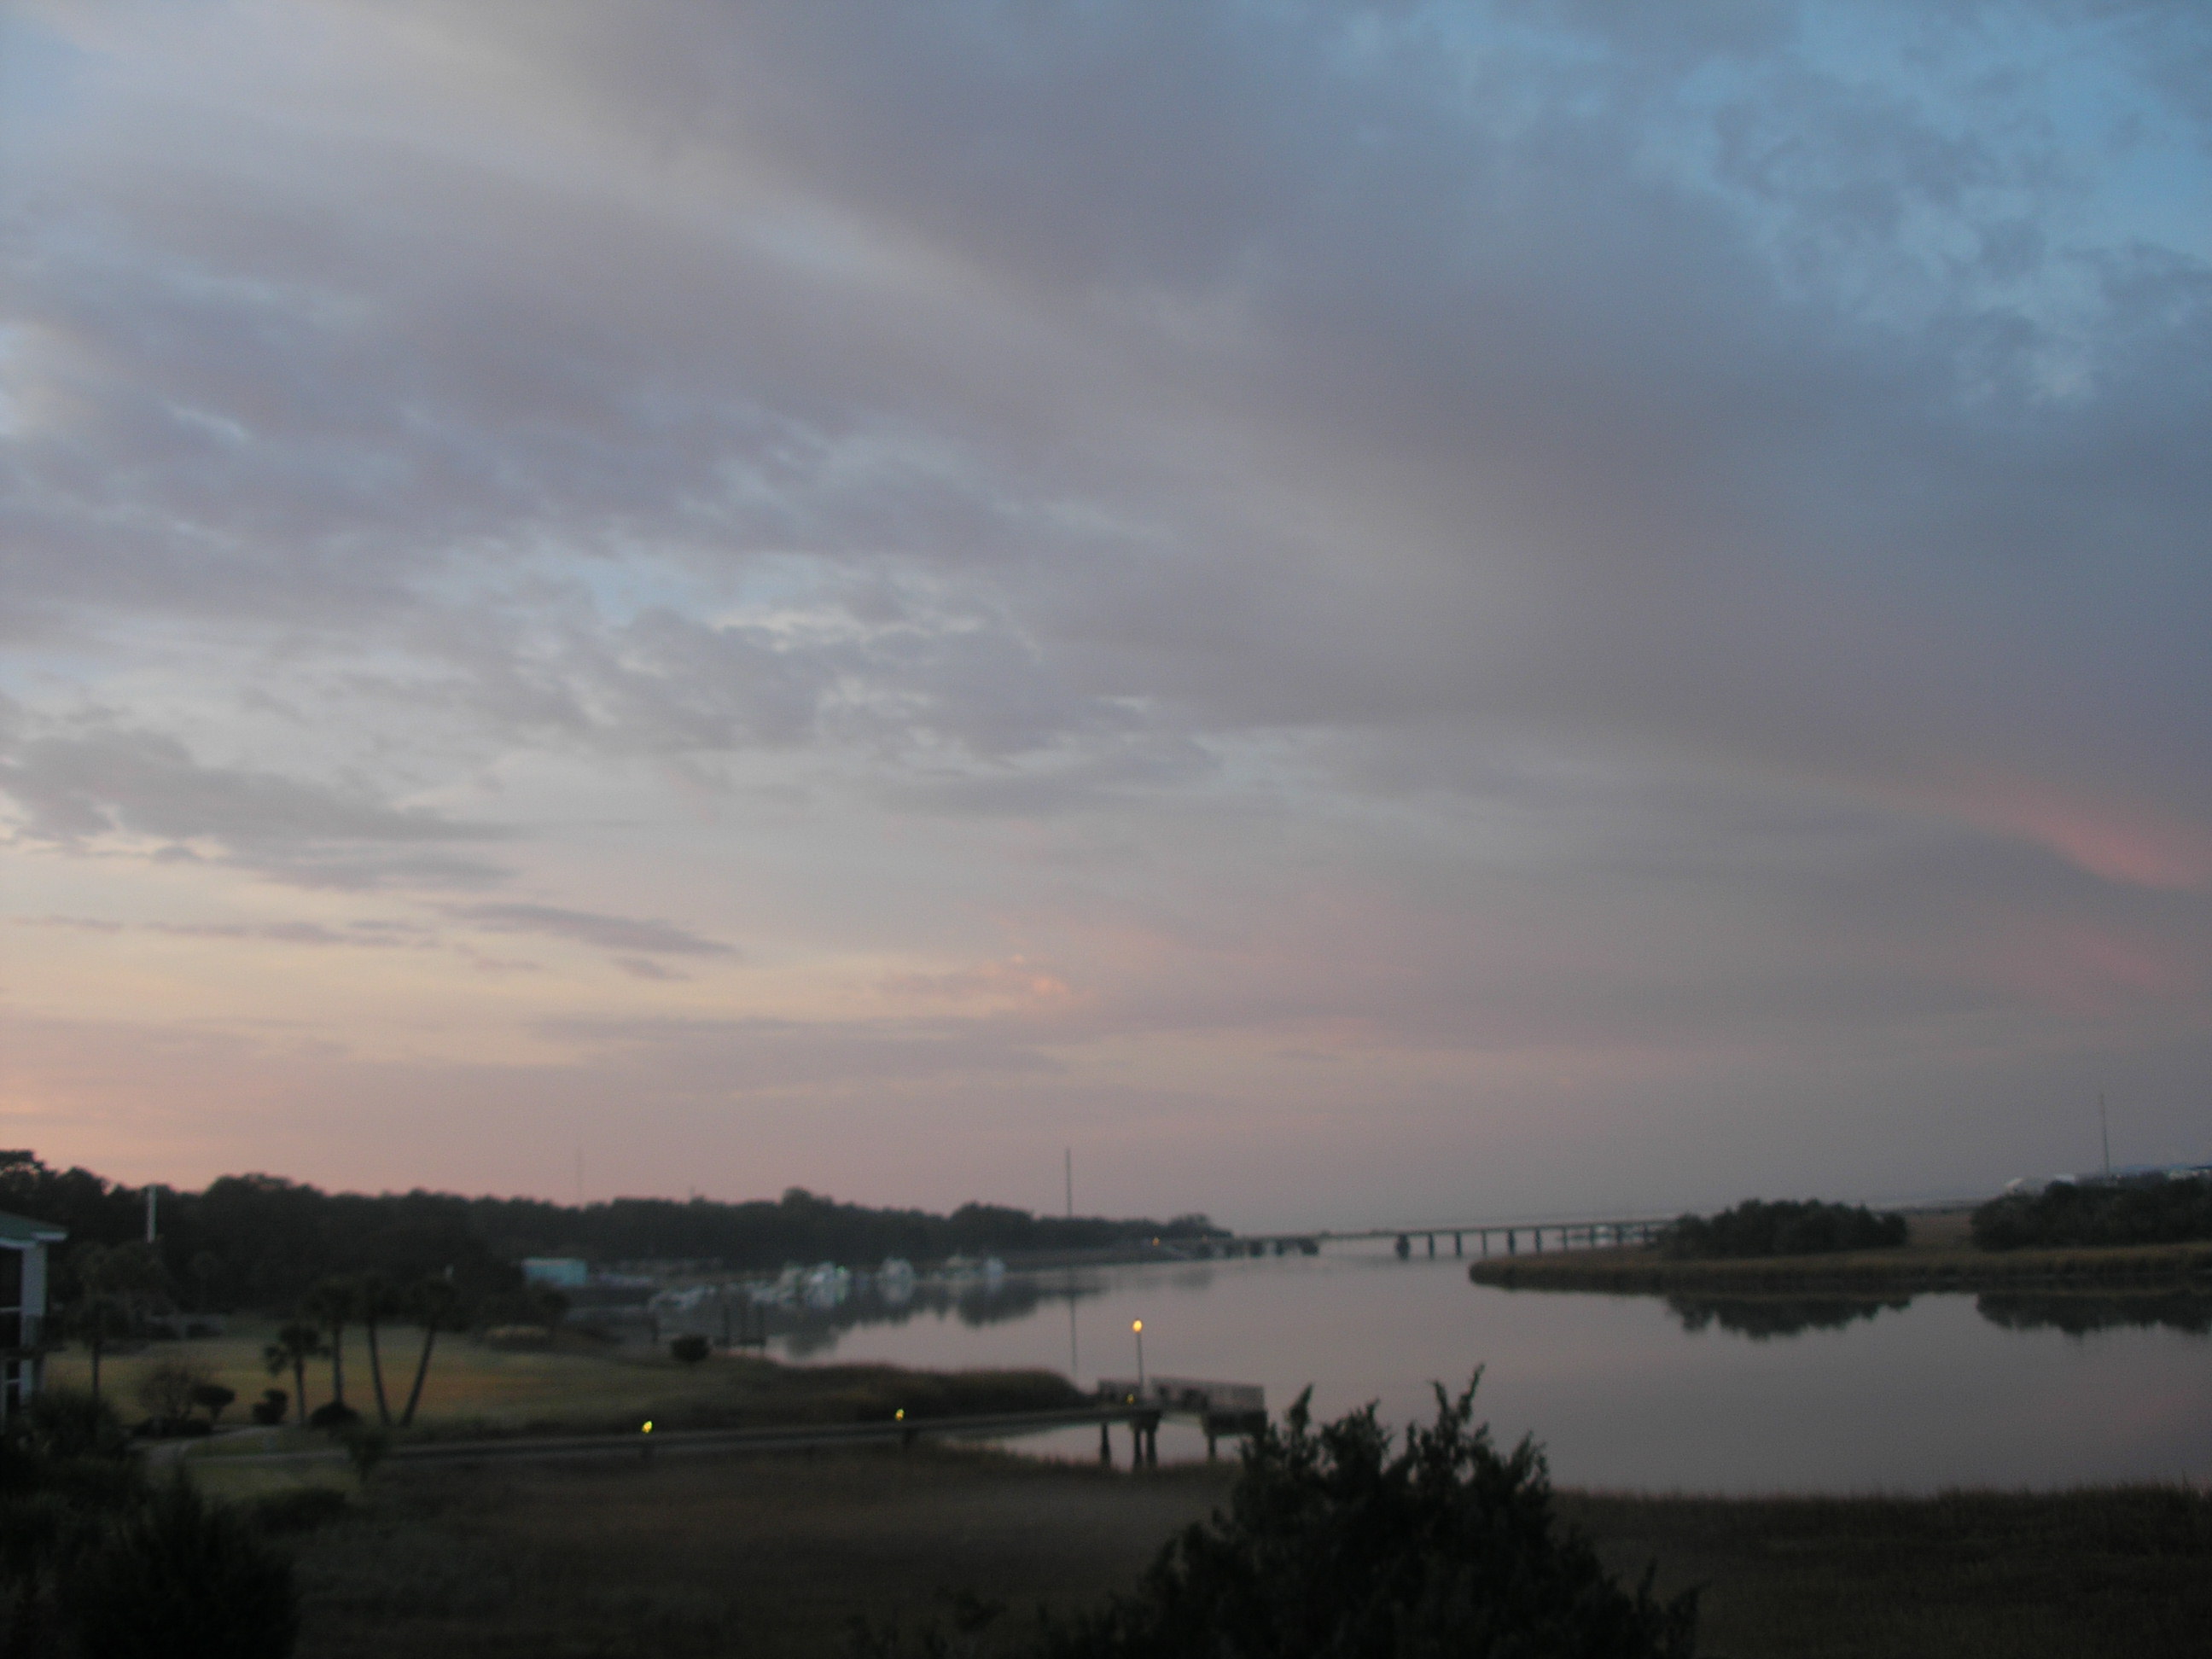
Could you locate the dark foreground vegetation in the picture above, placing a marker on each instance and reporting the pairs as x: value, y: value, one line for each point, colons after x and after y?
x: 1328, y: 1540
x: 779, y: 1556
x: 98, y: 1562
x: 2101, y: 1573
x: 2069, y: 1216
x: 1806, y: 1227
x: 1335, y: 1546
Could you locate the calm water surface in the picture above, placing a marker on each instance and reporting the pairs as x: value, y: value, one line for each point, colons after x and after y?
x: 1622, y: 1392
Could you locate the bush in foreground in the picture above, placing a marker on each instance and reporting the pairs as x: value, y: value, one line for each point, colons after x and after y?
x: 96, y: 1564
x: 1807, y: 1227
x: 1335, y: 1546
x: 2065, y: 1215
x: 182, y: 1579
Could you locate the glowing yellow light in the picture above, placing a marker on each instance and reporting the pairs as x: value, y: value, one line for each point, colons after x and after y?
x: 900, y: 1413
x: 648, y: 1426
x: 1136, y: 1324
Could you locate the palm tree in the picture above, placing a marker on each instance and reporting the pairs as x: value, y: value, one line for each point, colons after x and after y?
x: 295, y: 1345
x: 375, y: 1299
x: 111, y: 1279
x: 330, y: 1304
x: 430, y: 1303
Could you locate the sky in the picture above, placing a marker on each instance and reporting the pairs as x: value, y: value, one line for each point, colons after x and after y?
x: 1348, y: 614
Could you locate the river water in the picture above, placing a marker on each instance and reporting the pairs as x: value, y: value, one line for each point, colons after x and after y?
x: 1622, y: 1392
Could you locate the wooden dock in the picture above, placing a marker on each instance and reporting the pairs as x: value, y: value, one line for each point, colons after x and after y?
x: 1217, y: 1408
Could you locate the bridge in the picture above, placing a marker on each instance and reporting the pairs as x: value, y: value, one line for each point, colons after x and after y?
x: 1509, y: 1237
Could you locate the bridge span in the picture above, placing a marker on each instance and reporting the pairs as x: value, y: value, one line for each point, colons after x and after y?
x: 1497, y: 1237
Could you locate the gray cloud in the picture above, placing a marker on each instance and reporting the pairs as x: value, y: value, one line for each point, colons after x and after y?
x: 373, y: 937
x: 71, y: 788
x: 619, y: 933
x: 74, y: 788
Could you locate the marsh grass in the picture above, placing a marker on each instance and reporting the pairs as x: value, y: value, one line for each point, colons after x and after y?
x: 758, y: 1556
x: 775, y: 1556
x: 2124, y: 1571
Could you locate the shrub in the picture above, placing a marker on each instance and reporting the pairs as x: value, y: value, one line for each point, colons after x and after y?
x: 2067, y: 1216
x: 213, y: 1398
x: 334, y: 1414
x: 365, y: 1448
x: 1809, y: 1227
x: 269, y: 1410
x: 180, y: 1579
x: 1336, y: 1547
x: 167, y: 1391
x: 690, y: 1350
x: 66, y: 1423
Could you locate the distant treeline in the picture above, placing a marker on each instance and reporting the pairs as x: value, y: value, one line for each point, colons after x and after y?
x: 2066, y: 1215
x: 1809, y: 1227
x: 257, y: 1241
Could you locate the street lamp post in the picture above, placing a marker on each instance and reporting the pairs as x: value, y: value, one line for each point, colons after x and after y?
x: 1137, y: 1327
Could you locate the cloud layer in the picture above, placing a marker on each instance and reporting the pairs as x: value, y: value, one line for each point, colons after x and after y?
x: 1506, y: 578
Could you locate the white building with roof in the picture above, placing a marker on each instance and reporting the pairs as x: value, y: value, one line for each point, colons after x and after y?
x: 24, y: 1342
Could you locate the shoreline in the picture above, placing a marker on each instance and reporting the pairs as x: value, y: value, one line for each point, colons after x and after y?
x: 1639, y: 1270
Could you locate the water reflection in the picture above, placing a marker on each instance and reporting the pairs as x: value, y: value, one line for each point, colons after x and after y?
x: 1762, y: 1317
x: 2078, y: 1314
x: 1809, y: 1394
x: 808, y: 1322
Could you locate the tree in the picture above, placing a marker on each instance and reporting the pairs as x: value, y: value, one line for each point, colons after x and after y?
x: 112, y: 1283
x: 295, y: 1345
x: 375, y: 1299
x: 1335, y: 1546
x: 205, y: 1265
x: 330, y: 1304
x: 430, y: 1303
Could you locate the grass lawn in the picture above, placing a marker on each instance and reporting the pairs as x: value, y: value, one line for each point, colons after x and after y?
x: 475, y: 1389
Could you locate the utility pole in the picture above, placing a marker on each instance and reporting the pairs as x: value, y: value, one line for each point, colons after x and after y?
x: 2104, y: 1128
x: 151, y: 1235
x: 1069, y: 1158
